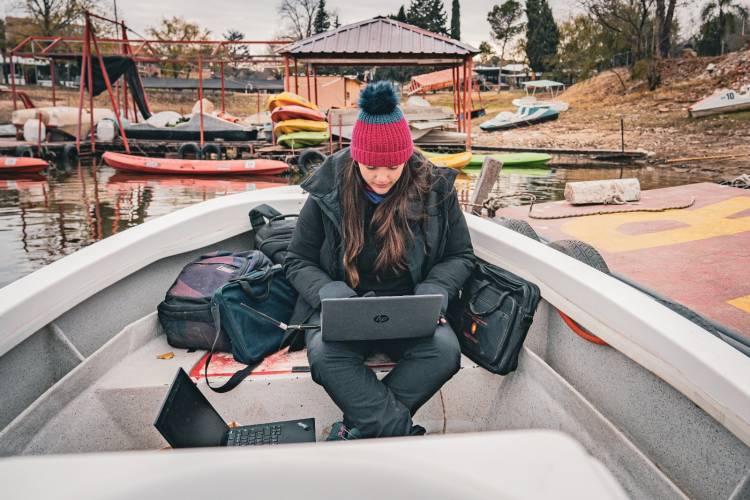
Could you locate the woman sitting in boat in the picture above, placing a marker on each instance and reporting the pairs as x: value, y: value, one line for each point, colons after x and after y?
x: 379, y: 220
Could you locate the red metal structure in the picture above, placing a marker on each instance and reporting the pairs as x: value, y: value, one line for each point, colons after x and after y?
x: 139, y: 50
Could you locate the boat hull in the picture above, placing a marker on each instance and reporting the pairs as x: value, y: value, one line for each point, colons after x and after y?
x: 15, y: 165
x: 549, y: 115
x: 130, y: 163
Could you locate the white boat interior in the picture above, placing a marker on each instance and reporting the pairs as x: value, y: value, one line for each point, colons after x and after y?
x: 665, y: 409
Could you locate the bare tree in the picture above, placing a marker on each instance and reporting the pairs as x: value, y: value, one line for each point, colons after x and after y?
x: 299, y: 16
x: 56, y: 17
x: 628, y: 18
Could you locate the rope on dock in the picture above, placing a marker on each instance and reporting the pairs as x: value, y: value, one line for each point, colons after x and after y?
x: 604, y: 212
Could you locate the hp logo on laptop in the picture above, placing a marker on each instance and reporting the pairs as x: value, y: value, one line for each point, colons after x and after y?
x: 381, y: 318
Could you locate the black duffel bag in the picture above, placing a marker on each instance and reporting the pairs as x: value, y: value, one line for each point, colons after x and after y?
x: 273, y: 231
x: 492, y: 316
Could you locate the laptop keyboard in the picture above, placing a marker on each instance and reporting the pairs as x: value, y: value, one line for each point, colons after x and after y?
x: 254, y: 436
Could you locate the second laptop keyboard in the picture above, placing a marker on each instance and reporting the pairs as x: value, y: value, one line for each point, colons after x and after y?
x: 254, y: 436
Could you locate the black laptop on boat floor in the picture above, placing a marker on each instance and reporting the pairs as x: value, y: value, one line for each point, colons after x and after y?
x: 188, y: 420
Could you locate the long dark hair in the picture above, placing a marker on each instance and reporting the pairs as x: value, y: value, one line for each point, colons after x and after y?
x: 391, y: 219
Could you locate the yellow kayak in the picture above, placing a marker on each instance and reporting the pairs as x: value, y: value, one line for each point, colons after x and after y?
x: 455, y: 160
x: 299, y: 125
x: 289, y: 99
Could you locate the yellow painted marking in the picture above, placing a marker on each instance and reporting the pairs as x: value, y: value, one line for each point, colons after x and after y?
x: 710, y: 221
x: 741, y: 303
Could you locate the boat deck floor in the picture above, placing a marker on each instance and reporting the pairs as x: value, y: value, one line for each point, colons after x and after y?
x: 696, y: 256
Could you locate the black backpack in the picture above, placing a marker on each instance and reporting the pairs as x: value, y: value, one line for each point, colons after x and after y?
x: 492, y: 316
x: 273, y: 231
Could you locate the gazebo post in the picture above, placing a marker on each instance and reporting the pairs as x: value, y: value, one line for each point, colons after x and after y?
x: 465, y: 100
x: 453, y: 88
x: 90, y: 77
x: 307, y: 77
x: 315, y: 81
x: 296, y: 78
x: 286, y: 73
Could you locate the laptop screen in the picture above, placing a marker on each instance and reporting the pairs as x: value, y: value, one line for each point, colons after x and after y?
x: 187, y: 419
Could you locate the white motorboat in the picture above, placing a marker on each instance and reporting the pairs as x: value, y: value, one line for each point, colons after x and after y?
x: 722, y: 101
x: 665, y: 410
x: 530, y: 100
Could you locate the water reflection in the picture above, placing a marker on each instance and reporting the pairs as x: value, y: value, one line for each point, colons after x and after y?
x: 45, y: 217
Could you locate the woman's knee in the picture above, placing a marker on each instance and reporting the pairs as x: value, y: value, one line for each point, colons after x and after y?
x: 447, y: 347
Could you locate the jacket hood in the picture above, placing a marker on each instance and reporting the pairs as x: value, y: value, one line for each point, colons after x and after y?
x: 326, y: 179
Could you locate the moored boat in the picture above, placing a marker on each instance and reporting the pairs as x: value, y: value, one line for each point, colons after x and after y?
x: 299, y: 125
x: 303, y: 139
x: 130, y: 163
x: 518, y: 160
x: 21, y: 165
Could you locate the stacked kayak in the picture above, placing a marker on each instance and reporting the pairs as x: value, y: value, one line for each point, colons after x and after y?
x: 296, y: 121
x: 525, y: 116
x: 455, y: 160
x: 130, y: 163
x: 22, y: 165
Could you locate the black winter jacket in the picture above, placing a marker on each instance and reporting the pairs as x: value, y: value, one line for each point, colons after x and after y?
x: 440, y: 260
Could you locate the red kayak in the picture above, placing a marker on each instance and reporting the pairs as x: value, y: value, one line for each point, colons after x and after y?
x: 291, y: 112
x: 143, y: 164
x: 23, y: 165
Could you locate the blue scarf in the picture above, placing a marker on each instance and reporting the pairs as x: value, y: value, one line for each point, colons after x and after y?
x: 374, y: 197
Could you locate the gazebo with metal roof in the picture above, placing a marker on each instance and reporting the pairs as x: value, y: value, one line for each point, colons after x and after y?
x: 381, y: 41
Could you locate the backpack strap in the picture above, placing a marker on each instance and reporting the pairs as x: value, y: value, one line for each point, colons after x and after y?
x: 240, y: 375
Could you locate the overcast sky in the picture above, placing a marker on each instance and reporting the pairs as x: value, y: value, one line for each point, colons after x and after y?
x: 259, y: 21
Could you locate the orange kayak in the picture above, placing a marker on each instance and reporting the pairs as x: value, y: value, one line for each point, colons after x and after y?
x: 292, y: 112
x: 21, y: 165
x: 143, y: 164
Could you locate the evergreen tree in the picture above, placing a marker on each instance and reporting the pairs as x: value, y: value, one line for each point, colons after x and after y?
x: 322, y: 20
x: 504, y: 22
x: 428, y: 14
x: 401, y: 16
x: 456, y: 20
x: 542, y: 35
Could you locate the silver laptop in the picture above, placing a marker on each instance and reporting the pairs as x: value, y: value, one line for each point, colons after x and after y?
x: 380, y: 318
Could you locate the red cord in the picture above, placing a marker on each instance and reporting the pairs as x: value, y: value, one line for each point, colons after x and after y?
x: 579, y: 330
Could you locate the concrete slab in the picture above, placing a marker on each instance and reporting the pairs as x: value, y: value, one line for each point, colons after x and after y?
x: 697, y: 256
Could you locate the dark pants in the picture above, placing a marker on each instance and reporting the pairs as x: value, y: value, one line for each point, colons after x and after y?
x: 383, y: 408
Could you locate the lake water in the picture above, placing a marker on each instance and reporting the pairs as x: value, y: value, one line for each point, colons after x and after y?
x: 45, y: 217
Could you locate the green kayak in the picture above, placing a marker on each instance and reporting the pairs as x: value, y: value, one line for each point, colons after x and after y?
x: 302, y: 139
x: 527, y: 160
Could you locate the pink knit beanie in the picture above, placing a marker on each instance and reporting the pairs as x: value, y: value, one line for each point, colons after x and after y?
x: 381, y: 136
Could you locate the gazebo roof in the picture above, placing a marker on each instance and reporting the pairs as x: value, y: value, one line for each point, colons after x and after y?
x: 379, y: 40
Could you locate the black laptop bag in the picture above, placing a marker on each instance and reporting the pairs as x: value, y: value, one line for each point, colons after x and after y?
x: 273, y: 231
x: 492, y: 316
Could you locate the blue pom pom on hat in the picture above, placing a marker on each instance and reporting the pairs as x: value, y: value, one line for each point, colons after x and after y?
x: 381, y: 136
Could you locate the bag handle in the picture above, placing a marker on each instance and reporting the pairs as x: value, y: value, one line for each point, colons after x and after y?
x: 261, y: 213
x: 481, y: 312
